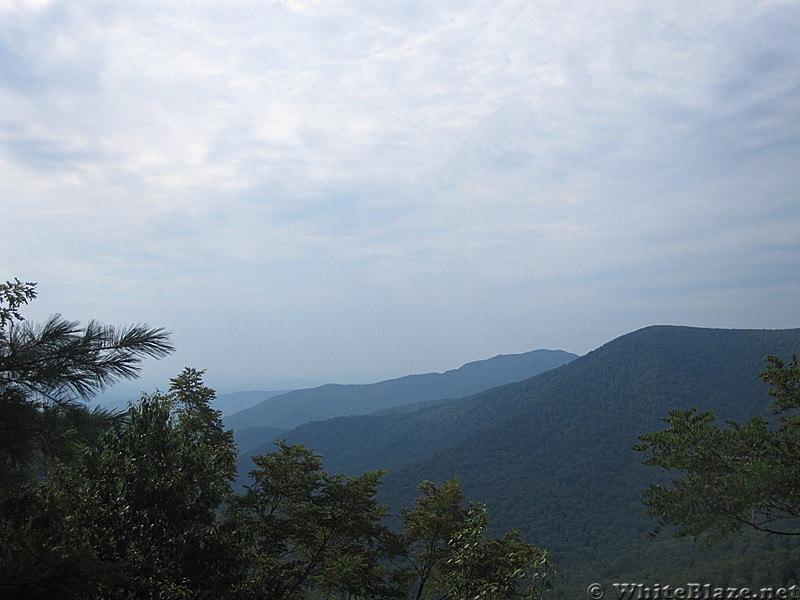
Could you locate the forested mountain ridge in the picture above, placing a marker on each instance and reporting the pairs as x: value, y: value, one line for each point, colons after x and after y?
x: 552, y: 454
x: 300, y: 406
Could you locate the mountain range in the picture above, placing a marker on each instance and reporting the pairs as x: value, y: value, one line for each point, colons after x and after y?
x: 551, y: 455
x: 288, y: 410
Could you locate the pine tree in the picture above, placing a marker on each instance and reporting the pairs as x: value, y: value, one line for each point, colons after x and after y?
x: 47, y: 373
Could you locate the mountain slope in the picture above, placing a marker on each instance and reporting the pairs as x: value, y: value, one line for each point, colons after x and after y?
x: 551, y: 455
x: 299, y: 406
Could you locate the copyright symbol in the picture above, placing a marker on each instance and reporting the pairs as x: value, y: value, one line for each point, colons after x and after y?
x: 595, y: 591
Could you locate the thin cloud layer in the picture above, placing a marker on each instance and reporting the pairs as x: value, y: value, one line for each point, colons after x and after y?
x: 352, y: 190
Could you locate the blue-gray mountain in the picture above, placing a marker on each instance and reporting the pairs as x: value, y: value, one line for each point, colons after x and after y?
x: 291, y: 409
x: 552, y: 455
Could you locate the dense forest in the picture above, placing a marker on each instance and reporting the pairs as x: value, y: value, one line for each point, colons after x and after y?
x: 528, y: 490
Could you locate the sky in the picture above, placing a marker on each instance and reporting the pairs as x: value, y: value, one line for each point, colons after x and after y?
x: 350, y: 190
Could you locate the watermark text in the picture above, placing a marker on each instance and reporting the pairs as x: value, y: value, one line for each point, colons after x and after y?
x: 689, y: 591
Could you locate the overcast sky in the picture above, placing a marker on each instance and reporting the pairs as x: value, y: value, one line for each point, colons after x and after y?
x: 352, y: 190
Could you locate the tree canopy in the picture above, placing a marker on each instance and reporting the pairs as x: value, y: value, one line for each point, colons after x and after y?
x: 742, y: 475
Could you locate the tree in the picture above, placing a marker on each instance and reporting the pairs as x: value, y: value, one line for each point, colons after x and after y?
x: 429, y: 526
x: 48, y: 371
x: 151, y: 490
x: 742, y: 475
x: 452, y: 558
x: 135, y: 515
x: 313, y: 532
x: 508, y: 568
x: 308, y: 528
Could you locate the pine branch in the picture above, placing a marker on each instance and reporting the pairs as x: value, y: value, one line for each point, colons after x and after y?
x: 58, y: 360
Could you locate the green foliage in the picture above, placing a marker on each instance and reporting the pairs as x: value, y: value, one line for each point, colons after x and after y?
x: 429, y: 527
x: 46, y: 371
x: 504, y: 567
x: 134, y: 514
x: 61, y: 362
x: 307, y: 527
x: 452, y: 558
x: 309, y: 531
x: 14, y: 294
x: 742, y: 475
